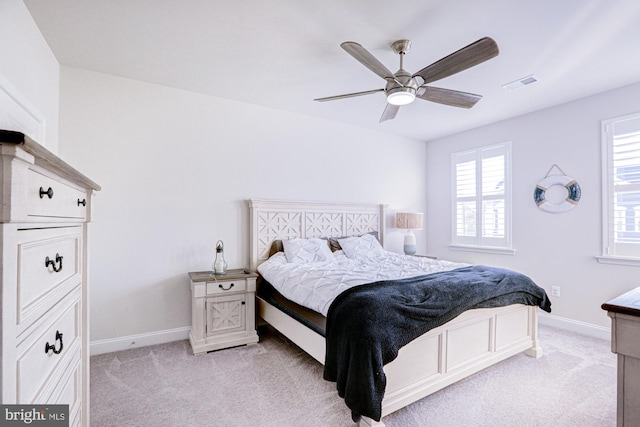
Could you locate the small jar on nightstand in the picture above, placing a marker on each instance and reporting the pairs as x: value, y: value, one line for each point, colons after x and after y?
x: 222, y: 310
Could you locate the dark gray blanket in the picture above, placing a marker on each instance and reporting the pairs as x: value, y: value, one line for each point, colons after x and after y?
x: 367, y: 325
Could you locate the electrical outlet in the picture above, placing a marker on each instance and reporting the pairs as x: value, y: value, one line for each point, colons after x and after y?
x: 555, y: 291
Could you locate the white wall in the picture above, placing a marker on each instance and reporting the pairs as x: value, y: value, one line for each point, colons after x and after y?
x: 176, y: 169
x: 29, y: 66
x: 554, y: 249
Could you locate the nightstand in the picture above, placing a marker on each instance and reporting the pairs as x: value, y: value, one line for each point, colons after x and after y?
x: 222, y: 310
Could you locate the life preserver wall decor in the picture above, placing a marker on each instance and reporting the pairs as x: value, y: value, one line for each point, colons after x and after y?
x: 573, y: 192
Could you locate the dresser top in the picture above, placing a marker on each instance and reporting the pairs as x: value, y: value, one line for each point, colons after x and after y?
x: 45, y: 157
x: 627, y: 303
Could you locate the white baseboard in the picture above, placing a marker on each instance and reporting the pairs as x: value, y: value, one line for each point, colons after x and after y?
x: 575, y: 326
x: 140, y: 340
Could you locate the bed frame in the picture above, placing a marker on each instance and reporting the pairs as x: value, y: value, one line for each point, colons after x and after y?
x: 467, y: 344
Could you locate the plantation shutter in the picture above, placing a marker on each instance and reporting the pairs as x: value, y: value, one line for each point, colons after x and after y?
x: 622, y: 187
x: 481, y: 197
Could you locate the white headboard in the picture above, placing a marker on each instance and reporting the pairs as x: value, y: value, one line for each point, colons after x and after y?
x: 280, y: 220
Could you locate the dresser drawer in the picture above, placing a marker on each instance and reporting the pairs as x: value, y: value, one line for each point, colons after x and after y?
x: 69, y: 390
x: 50, y: 197
x: 627, y: 335
x: 38, y: 372
x: 226, y: 286
x: 49, y: 267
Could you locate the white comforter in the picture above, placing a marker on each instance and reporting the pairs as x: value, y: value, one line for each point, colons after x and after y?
x: 315, y: 285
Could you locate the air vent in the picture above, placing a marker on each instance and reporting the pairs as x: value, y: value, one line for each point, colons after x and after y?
x: 524, y: 81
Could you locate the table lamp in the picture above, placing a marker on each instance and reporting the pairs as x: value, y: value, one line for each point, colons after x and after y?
x: 409, y: 221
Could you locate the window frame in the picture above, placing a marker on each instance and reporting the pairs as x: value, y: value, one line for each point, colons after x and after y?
x: 480, y: 243
x: 609, y: 255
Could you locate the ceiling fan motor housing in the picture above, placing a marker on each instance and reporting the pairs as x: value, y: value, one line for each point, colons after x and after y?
x: 402, y: 90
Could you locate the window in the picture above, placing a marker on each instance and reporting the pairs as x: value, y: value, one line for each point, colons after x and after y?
x: 481, y: 197
x: 621, y: 189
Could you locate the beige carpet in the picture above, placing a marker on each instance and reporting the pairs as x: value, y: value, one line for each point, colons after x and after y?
x: 275, y: 384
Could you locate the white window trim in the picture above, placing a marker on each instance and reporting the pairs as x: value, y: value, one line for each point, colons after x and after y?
x: 618, y: 260
x: 484, y: 249
x: 501, y: 250
x: 606, y: 257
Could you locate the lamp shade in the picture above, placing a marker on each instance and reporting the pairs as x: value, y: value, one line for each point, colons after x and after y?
x: 409, y: 221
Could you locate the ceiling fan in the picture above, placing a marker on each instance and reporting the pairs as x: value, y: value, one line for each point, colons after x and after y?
x: 403, y: 88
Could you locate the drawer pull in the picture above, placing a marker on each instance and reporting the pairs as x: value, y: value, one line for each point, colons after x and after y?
x: 49, y: 262
x: 48, y: 192
x: 82, y: 202
x: 48, y: 346
x: 225, y: 289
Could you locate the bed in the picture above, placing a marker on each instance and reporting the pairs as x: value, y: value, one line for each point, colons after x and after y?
x: 470, y: 342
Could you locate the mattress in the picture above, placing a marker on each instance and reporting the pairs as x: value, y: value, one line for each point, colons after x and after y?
x: 315, y: 285
x: 311, y: 319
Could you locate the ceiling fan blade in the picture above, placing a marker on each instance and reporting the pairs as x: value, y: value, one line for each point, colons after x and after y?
x: 450, y: 97
x: 348, y: 95
x: 389, y: 112
x: 467, y: 57
x: 368, y: 60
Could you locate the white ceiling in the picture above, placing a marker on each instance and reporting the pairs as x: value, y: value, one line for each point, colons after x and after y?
x: 284, y: 53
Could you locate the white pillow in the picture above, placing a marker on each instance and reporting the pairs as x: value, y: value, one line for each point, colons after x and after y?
x: 307, y: 250
x: 362, y: 246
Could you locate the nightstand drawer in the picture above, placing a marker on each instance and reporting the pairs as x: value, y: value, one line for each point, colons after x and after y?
x: 49, y: 266
x: 49, y: 197
x: 226, y: 286
x: 44, y: 355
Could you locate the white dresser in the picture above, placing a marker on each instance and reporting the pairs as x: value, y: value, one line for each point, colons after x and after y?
x: 46, y: 208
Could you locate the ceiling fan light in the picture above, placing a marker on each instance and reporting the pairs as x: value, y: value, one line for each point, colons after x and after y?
x: 401, y: 96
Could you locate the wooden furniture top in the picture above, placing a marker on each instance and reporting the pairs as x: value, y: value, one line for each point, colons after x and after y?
x: 627, y: 303
x: 233, y: 274
x: 45, y: 157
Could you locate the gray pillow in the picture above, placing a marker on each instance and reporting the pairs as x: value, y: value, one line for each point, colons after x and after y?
x: 335, y: 246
